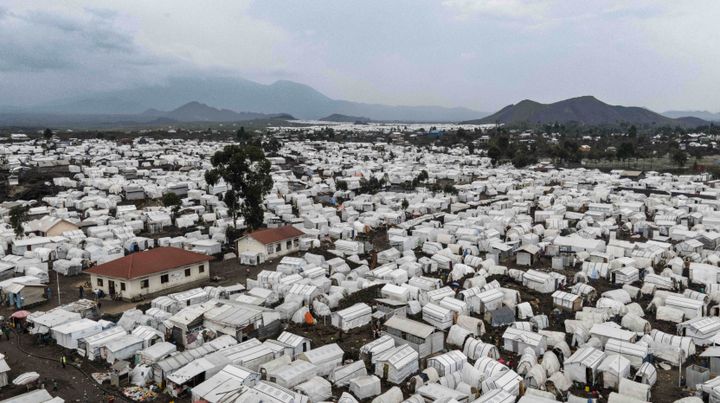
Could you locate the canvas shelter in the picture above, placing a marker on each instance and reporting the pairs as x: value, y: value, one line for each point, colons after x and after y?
x: 67, y: 335
x: 355, y: 316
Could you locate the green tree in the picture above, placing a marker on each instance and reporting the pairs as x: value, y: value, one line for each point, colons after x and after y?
x: 231, y: 201
x: 450, y: 188
x: 522, y: 159
x: 625, y: 151
x: 47, y: 134
x: 341, y: 185
x: 272, y: 146
x: 423, y: 176
x: 172, y: 200
x: 494, y: 154
x: 211, y: 177
x: 632, y: 132
x: 18, y: 215
x: 245, y: 168
x: 405, y: 204
x: 679, y: 157
x: 241, y: 136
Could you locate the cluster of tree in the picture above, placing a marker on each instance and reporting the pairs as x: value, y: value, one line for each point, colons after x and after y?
x: 271, y: 145
x: 372, y: 185
x: 247, y: 171
x: 326, y: 134
x: 501, y: 149
x: 680, y: 158
x: 172, y: 200
x: 421, y: 177
x: 447, y: 188
x: 18, y: 215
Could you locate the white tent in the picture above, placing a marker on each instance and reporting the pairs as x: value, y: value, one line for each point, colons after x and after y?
x: 68, y: 334
x: 355, y: 316
x: 90, y: 346
x: 614, y: 367
x: 396, y: 364
x: 224, y: 385
x: 325, y: 358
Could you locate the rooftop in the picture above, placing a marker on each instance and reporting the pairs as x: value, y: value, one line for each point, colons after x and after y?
x: 272, y: 235
x: 149, y: 262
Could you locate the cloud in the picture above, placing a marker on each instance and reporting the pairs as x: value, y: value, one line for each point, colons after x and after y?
x: 105, y: 44
x: 505, y: 9
x: 478, y: 53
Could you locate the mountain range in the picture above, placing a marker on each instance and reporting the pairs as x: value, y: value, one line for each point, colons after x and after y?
x: 233, y: 94
x: 586, y: 110
x: 198, y: 112
x: 336, y: 117
x: 223, y: 99
x: 704, y: 115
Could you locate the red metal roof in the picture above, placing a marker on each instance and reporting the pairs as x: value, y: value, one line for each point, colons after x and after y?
x: 155, y: 260
x: 272, y: 235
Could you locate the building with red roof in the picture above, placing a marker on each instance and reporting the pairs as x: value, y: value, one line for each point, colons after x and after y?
x: 150, y: 272
x: 270, y: 243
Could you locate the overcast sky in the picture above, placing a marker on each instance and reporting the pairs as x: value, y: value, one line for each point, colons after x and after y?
x: 483, y: 54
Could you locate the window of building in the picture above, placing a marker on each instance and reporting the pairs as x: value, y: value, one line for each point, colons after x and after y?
x: 100, y: 282
x: 277, y: 247
x: 164, y: 279
x: 145, y: 283
x: 270, y: 249
x: 288, y: 245
x: 187, y: 273
x: 202, y: 268
x: 122, y: 286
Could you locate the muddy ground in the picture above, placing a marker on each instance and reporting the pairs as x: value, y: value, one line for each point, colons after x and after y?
x: 74, y: 385
x: 33, y: 183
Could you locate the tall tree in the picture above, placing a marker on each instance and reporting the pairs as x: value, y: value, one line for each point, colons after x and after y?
x: 18, y: 215
x: 679, y: 157
x: 494, y: 154
x: 171, y: 199
x: 231, y: 201
x: 632, y: 132
x: 211, y: 178
x: 625, y: 151
x: 241, y: 136
x: 245, y: 168
x: 272, y: 145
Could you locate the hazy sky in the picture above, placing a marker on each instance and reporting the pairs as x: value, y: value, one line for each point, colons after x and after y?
x: 482, y: 54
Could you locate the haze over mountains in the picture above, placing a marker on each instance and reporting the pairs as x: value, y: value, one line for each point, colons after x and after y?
x: 585, y: 110
x: 218, y: 99
x: 239, y: 95
x: 705, y: 115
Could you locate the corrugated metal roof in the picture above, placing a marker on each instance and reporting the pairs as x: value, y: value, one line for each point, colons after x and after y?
x: 272, y: 235
x: 148, y: 262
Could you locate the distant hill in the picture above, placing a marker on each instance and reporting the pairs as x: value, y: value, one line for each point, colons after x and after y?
x: 705, y: 115
x: 337, y: 117
x: 191, y: 112
x: 238, y: 94
x: 586, y: 110
x: 198, y: 112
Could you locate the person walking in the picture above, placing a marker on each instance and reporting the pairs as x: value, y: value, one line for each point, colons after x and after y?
x: 81, y: 290
x: 6, y: 331
x: 63, y: 360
